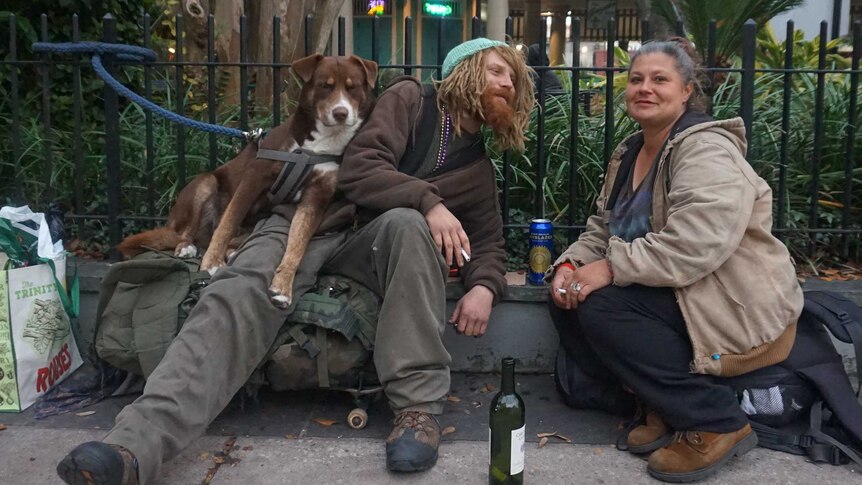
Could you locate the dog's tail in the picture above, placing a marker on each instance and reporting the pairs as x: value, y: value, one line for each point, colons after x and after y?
x: 160, y: 238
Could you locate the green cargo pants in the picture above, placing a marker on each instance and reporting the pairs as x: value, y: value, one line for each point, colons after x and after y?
x: 233, y: 325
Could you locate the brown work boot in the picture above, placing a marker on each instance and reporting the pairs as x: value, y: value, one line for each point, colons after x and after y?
x: 649, y: 436
x: 696, y: 455
x: 412, y: 445
x: 97, y: 463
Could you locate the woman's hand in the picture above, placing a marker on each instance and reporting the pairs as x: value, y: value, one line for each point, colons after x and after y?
x: 592, y: 277
x: 564, y: 280
x: 570, y: 287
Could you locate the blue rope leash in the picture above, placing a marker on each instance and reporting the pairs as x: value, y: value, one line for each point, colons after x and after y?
x: 142, y: 55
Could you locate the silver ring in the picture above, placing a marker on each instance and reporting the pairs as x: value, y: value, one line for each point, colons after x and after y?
x: 576, y: 287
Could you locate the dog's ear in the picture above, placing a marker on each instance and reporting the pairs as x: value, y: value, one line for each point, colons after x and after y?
x: 370, y: 68
x: 304, y: 68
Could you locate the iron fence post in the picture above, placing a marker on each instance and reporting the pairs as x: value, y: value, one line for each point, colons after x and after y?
x: 112, y: 140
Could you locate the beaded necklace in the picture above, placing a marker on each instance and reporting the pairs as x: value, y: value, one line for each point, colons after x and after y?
x: 445, y: 131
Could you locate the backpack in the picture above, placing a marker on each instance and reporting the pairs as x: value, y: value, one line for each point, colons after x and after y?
x: 326, y: 342
x: 806, y: 404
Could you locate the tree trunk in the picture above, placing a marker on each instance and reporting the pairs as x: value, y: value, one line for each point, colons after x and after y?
x: 227, y: 38
x: 292, y: 14
x: 195, y: 14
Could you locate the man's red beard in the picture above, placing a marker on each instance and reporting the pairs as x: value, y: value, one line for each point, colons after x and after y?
x: 497, y: 107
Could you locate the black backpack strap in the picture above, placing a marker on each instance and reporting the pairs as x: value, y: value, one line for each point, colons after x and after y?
x: 841, y: 316
x: 814, y: 443
x: 774, y: 439
x: 831, y: 381
x: 826, y: 448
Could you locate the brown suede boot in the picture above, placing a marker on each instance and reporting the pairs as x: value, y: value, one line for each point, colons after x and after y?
x: 696, y: 455
x: 412, y: 444
x: 650, y: 436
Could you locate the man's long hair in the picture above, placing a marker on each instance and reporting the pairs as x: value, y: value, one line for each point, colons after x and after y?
x: 461, y: 91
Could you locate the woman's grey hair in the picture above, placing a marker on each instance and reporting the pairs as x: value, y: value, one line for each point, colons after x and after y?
x: 682, y: 52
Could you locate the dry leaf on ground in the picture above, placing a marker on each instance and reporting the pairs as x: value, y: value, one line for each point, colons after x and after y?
x: 290, y: 436
x: 2, y: 427
x: 543, y: 441
x: 545, y: 435
x: 453, y: 399
x: 488, y: 388
x: 448, y: 430
x: 325, y: 422
x: 85, y: 413
x: 205, y: 456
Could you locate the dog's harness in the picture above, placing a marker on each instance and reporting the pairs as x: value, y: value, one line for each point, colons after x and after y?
x: 298, y: 165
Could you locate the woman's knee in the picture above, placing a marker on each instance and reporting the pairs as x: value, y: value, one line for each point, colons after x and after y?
x: 596, y: 313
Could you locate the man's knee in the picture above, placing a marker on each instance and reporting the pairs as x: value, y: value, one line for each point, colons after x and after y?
x: 403, y: 218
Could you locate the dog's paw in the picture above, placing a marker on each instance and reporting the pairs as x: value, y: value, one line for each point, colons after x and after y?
x: 279, y: 299
x: 186, y: 251
x: 211, y: 268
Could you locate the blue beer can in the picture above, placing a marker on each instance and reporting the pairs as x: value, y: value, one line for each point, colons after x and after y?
x: 541, y: 245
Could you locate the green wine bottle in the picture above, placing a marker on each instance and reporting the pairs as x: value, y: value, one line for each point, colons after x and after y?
x: 507, y: 431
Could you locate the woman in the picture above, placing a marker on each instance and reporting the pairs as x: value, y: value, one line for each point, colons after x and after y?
x: 677, y: 281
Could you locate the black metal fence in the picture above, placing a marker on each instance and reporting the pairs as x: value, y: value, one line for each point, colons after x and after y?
x: 841, y: 230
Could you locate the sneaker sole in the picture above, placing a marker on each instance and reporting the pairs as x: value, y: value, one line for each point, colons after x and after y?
x: 652, y: 446
x: 81, y: 467
x: 744, y: 446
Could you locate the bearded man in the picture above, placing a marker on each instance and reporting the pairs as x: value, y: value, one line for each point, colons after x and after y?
x: 420, y: 195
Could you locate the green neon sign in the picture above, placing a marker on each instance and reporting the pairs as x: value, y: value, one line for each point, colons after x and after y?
x: 439, y: 9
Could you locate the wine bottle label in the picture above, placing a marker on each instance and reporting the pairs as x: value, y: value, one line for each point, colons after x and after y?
x: 518, y: 443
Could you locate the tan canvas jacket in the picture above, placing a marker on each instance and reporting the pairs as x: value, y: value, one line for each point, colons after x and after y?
x: 712, y: 243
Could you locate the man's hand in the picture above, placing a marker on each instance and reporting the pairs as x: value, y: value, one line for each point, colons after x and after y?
x: 447, y: 233
x: 472, y: 311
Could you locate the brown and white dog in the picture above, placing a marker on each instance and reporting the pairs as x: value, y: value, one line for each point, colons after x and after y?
x: 218, y: 208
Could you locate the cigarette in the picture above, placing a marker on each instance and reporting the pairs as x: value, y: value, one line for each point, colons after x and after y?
x: 466, y: 256
x: 561, y: 291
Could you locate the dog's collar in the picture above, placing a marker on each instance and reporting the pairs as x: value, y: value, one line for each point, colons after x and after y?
x: 298, y: 165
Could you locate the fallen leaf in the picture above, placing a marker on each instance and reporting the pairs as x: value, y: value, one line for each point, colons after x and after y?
x: 218, y: 458
x: 545, y: 435
x: 2, y: 427
x: 205, y: 456
x: 564, y: 438
x: 290, y: 436
x: 543, y: 442
x: 597, y: 451
x: 448, y: 430
x: 325, y: 422
x: 85, y: 413
x: 453, y: 399
x: 477, y: 404
x: 488, y: 388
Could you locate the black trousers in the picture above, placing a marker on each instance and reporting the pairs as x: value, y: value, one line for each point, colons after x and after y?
x: 636, y: 335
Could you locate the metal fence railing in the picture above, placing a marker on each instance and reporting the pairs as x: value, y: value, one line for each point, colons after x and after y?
x: 804, y: 125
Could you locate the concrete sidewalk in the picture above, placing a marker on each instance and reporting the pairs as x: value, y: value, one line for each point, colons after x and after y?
x: 28, y: 456
x: 302, y: 437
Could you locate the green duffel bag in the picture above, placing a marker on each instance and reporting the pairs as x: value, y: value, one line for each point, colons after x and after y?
x: 328, y: 339
x: 143, y: 302
x: 326, y: 342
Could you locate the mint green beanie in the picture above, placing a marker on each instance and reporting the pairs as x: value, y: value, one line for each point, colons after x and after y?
x: 465, y: 50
